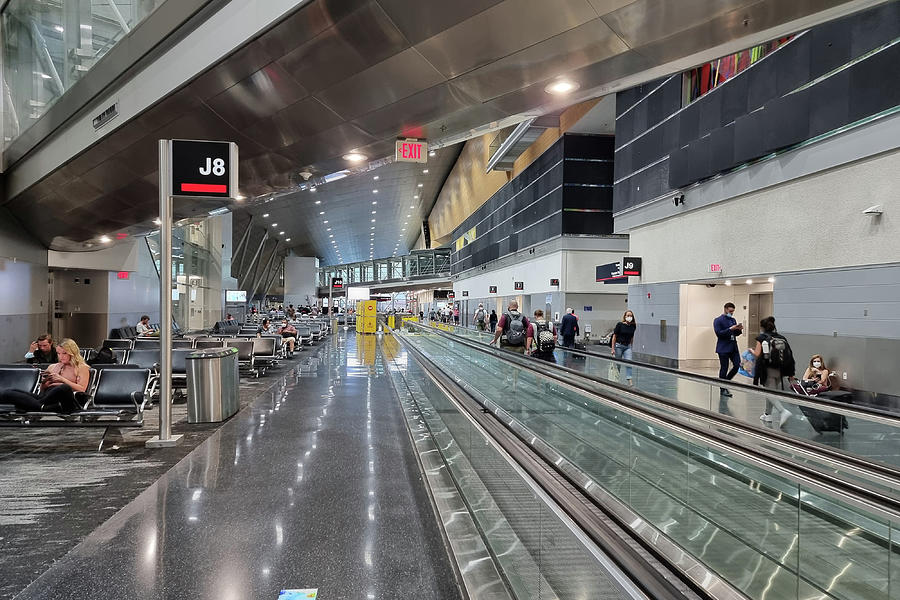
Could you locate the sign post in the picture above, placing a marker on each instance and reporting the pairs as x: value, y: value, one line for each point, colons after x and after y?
x: 336, y: 282
x: 194, y: 169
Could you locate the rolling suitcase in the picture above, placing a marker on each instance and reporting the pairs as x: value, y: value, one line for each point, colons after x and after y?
x: 824, y: 421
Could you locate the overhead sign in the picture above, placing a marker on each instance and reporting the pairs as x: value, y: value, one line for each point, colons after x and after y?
x: 631, y: 266
x: 465, y: 293
x: 520, y: 285
x: 411, y: 151
x: 610, y: 273
x: 492, y: 289
x: 554, y: 282
x: 122, y: 275
x: 204, y: 169
x: 451, y: 295
x: 337, y: 283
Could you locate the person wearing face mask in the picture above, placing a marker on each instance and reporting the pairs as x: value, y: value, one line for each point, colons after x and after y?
x: 816, y: 377
x: 622, y: 340
x: 727, y: 329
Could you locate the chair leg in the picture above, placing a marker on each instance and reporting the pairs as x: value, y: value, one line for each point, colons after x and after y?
x: 103, y: 439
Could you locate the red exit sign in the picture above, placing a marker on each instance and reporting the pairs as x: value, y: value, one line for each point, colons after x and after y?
x: 714, y: 268
x: 411, y: 151
x: 122, y: 275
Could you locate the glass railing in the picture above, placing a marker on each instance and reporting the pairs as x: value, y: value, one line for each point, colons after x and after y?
x: 533, y: 544
x: 768, y: 531
x: 866, y: 434
x: 49, y: 46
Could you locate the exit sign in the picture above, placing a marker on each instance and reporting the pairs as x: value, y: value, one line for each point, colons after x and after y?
x: 715, y: 268
x: 122, y: 275
x: 411, y: 151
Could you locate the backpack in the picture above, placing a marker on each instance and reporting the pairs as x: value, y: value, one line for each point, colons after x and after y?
x: 778, y: 354
x: 543, y: 337
x: 515, y: 330
x: 479, y: 315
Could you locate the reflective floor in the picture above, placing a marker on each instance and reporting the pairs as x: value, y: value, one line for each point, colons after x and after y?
x: 314, y: 486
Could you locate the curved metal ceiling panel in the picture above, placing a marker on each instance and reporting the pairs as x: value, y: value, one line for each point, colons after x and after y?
x: 338, y: 75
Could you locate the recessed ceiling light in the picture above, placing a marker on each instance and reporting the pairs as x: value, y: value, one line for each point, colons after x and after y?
x: 373, y: 220
x: 424, y: 171
x: 265, y: 215
x: 771, y: 280
x: 432, y: 153
x: 105, y: 239
x: 406, y: 222
x: 274, y: 224
x: 330, y: 235
x: 374, y: 201
x: 421, y: 184
x: 318, y: 202
x: 375, y: 178
x: 239, y: 198
x: 727, y: 282
x: 408, y: 216
x: 404, y: 229
x: 416, y: 197
x: 321, y: 212
x: 355, y: 157
x: 373, y: 227
x: 329, y: 229
x: 280, y: 233
x: 373, y: 212
x: 326, y: 222
x: 561, y: 86
x: 749, y: 282
x: 287, y: 239
x: 412, y: 205
x: 374, y: 191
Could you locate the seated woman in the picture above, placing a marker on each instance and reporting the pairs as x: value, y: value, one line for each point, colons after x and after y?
x: 816, y: 378
x: 59, y: 383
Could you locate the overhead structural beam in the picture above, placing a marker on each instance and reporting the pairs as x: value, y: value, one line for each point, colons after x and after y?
x: 260, y: 276
x: 44, y: 57
x: 244, y: 274
x: 272, y: 278
x: 508, y: 143
x: 241, y: 244
x: 122, y: 22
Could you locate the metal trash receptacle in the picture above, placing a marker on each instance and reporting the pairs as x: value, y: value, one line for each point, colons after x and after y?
x: 212, y: 384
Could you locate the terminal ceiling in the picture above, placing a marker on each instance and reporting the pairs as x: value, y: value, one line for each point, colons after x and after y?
x: 342, y: 75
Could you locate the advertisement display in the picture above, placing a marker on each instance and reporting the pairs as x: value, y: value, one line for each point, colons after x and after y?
x: 235, y: 296
x: 358, y: 293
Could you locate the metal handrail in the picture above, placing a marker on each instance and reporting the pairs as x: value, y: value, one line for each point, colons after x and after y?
x: 840, y: 489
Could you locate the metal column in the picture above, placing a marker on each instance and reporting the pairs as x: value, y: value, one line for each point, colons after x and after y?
x: 165, y: 437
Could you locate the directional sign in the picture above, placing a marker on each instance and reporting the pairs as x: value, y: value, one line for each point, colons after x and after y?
x: 520, y: 285
x: 631, y: 266
x: 204, y: 169
x: 492, y: 289
x: 411, y: 151
x: 337, y: 283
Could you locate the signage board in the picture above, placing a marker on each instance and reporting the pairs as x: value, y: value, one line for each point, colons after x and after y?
x: 520, y: 285
x: 204, y: 169
x: 492, y: 289
x: 715, y: 268
x: 123, y: 275
x: 610, y: 273
x: 411, y: 151
x: 588, y: 309
x: 451, y: 295
x: 235, y: 296
x: 554, y: 282
x: 465, y: 293
x: 631, y: 266
x: 337, y: 283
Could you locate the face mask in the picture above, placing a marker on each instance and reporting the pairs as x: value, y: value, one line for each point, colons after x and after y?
x: 629, y: 319
x: 817, y: 364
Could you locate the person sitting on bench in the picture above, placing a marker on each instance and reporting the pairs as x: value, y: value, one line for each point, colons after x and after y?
x: 289, y: 333
x: 816, y: 378
x: 58, y: 383
x: 144, y: 329
x: 42, y: 350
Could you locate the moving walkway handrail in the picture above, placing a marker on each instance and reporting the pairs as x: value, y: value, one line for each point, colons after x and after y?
x: 838, y: 488
x: 867, y: 413
x: 602, y: 534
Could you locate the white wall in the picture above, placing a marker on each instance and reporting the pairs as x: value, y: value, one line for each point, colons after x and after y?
x: 300, y: 280
x: 138, y: 295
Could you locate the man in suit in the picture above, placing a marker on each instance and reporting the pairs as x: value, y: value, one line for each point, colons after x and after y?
x: 568, y: 328
x: 727, y: 329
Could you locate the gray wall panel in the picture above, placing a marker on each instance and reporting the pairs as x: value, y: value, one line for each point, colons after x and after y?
x: 663, y: 305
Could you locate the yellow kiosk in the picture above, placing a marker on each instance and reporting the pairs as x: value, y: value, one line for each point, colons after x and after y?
x: 368, y: 316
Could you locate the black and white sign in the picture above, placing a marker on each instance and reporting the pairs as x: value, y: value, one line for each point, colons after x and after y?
x: 204, y: 169
x: 337, y: 283
x: 631, y: 266
x: 465, y: 293
x: 610, y: 273
x: 492, y: 289
x: 520, y: 285
x: 554, y: 283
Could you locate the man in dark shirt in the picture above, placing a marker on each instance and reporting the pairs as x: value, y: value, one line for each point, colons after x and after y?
x: 568, y: 328
x: 727, y: 329
x: 42, y: 351
x: 504, y: 326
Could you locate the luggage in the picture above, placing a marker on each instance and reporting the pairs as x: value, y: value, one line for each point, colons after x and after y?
x: 824, y: 421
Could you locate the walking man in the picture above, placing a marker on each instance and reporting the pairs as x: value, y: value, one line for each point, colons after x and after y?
x: 568, y: 328
x: 727, y: 329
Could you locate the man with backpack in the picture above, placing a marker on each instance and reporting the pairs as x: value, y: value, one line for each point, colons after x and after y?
x: 480, y: 318
x: 774, y: 362
x: 511, y: 329
x: 540, y: 338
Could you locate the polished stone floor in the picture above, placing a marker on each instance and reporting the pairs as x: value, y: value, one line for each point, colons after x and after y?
x: 314, y: 485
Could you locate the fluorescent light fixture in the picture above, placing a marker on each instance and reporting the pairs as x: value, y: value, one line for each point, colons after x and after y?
x: 331, y: 235
x: 373, y: 212
x: 374, y: 202
x: 561, y: 86
x: 424, y: 171
x: 335, y: 176
x: 59, y: 29
x: 355, y: 157
x: 373, y: 220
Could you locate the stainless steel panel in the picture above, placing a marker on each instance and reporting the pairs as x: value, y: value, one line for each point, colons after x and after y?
x: 645, y: 21
x: 237, y: 67
x: 110, y: 175
x: 262, y: 94
x: 363, y: 38
x: 590, y: 43
x: 421, y: 20
x: 407, y: 116
x: 605, y: 6
x: 301, y: 119
x: 502, y: 30
x: 391, y: 80
x: 327, y: 144
x: 300, y: 27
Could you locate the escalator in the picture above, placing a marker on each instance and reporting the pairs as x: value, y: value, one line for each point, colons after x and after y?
x: 719, y: 508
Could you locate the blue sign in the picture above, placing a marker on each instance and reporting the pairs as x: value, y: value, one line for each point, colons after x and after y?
x: 588, y: 308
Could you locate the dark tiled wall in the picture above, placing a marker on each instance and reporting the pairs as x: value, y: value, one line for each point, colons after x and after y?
x: 751, y: 115
x: 567, y: 190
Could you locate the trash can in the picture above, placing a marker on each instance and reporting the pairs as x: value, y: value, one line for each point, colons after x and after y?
x: 212, y: 384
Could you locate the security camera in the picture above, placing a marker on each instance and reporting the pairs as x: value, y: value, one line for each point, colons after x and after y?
x: 876, y: 210
x: 678, y: 199
x: 305, y: 175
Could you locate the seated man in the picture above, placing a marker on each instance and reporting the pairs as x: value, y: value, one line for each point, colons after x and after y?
x: 289, y: 333
x: 42, y: 351
x: 59, y: 383
x: 144, y: 329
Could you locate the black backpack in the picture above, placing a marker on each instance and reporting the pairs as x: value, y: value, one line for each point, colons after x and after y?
x: 779, y: 355
x: 515, y: 329
x: 543, y: 337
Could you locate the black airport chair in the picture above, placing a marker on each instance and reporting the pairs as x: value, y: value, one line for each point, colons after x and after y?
x: 264, y: 351
x: 127, y: 344
x: 246, y: 358
x: 181, y: 344
x: 146, y: 343
x: 121, y: 355
x: 208, y: 343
